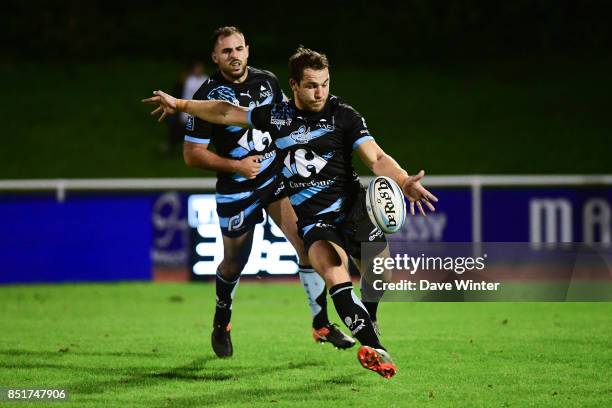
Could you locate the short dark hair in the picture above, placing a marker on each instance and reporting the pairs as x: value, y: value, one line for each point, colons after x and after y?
x: 222, y: 32
x: 304, y: 58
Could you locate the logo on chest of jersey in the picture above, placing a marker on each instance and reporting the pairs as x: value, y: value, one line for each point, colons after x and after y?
x: 281, y: 115
x: 280, y: 122
x: 223, y: 93
x: 301, y: 136
x: 324, y: 124
x: 265, y: 92
x: 304, y: 163
x: 255, y: 140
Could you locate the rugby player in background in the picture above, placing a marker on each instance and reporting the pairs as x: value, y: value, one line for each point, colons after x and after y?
x: 316, y: 134
x: 248, y: 180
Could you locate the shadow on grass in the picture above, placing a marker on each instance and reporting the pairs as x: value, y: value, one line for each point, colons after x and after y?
x: 18, y: 353
x: 137, y: 377
x: 323, y: 391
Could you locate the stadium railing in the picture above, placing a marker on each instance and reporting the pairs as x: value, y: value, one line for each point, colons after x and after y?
x: 474, y: 182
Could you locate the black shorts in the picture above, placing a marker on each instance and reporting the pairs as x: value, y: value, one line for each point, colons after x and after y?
x: 349, y: 231
x: 240, y: 212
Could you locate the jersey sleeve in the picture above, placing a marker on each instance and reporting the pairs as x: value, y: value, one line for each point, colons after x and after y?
x: 196, y: 129
x: 357, y: 129
x: 260, y: 117
x: 279, y: 95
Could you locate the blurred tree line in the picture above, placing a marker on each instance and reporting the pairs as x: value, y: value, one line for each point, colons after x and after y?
x: 351, y: 32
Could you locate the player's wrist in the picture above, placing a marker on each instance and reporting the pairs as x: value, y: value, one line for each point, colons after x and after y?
x: 401, y: 178
x: 234, y: 165
x: 181, y: 105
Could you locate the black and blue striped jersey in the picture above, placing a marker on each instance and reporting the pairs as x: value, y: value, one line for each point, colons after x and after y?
x: 260, y: 88
x: 316, y: 151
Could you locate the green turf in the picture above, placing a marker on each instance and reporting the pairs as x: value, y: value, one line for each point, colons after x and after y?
x: 546, y: 115
x: 147, y: 345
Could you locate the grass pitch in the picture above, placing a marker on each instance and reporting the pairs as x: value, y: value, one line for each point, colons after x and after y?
x: 148, y: 345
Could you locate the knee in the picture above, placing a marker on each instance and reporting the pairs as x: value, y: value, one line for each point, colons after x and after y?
x: 232, y: 268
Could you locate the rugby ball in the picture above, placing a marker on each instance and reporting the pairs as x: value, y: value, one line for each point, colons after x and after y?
x: 385, y: 204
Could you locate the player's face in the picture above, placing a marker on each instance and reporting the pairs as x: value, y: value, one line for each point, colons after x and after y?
x: 312, y: 91
x: 231, y: 55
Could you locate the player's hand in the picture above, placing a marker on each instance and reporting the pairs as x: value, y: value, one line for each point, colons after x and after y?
x: 416, y: 193
x: 166, y: 104
x: 249, y: 166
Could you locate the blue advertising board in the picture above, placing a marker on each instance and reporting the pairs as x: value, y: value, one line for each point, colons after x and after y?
x: 569, y: 214
x: 85, y: 238
x: 109, y: 236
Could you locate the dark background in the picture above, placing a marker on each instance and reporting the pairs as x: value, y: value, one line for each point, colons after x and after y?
x: 456, y: 87
x: 350, y: 31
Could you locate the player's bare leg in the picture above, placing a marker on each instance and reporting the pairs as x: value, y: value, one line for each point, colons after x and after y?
x: 323, y: 331
x: 236, y: 253
x: 331, y: 261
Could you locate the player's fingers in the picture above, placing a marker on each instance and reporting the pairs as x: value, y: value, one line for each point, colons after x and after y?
x: 431, y: 197
x: 162, y: 117
x: 418, y: 176
x: 256, y: 159
x: 156, y: 111
x: 412, y: 207
x: 151, y: 100
x: 429, y: 205
x: 421, y: 210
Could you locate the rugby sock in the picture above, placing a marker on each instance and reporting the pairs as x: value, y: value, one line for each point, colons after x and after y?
x: 370, y: 298
x: 225, y: 293
x: 354, y: 314
x: 314, y: 286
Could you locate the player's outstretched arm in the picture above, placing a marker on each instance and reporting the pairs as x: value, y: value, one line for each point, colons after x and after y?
x: 382, y: 164
x: 218, y: 112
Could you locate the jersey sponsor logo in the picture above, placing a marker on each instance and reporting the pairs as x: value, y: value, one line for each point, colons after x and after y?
x: 255, y: 140
x: 312, y: 183
x: 190, y: 122
x: 223, y: 93
x: 324, y: 124
x: 281, y: 115
x: 305, y: 163
x: 301, y: 136
x: 247, y: 94
x: 280, y: 122
x: 265, y: 92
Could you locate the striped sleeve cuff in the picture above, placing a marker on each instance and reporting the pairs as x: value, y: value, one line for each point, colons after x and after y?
x: 361, y: 140
x: 196, y: 140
